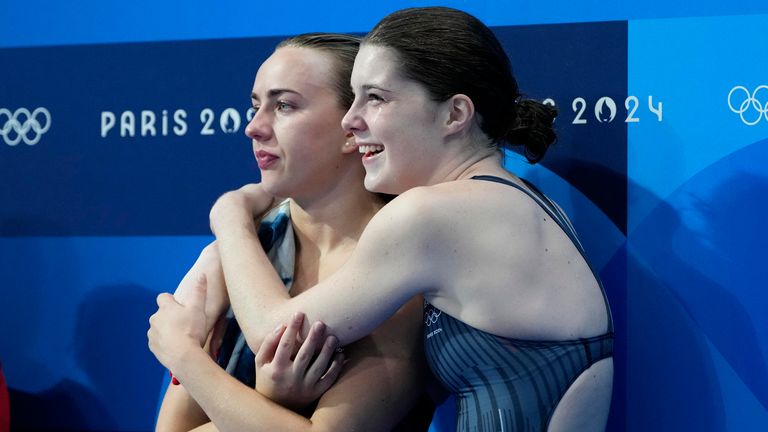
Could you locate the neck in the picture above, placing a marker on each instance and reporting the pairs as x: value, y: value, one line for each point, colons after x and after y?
x: 469, y: 161
x: 335, y: 218
x: 466, y: 154
x: 482, y: 164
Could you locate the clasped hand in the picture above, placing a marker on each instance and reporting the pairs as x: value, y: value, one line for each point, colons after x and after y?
x: 239, y: 207
x: 177, y: 328
x: 294, y: 373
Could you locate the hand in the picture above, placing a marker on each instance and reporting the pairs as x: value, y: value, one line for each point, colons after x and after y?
x: 217, y: 337
x: 296, y: 382
x: 240, y: 206
x: 177, y: 328
x: 217, y: 299
x: 256, y: 198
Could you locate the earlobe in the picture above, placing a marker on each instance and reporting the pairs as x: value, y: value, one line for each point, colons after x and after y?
x: 461, y: 112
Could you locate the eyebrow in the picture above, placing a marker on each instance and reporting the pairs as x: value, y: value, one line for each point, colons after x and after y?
x: 373, y: 86
x: 275, y: 93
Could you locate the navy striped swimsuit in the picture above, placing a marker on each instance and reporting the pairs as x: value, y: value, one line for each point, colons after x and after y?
x: 504, y: 384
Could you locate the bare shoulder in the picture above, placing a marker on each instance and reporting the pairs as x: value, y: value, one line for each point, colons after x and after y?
x: 455, y: 201
x: 430, y: 214
x: 407, y: 216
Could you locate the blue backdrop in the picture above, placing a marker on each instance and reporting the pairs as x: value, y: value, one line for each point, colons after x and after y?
x: 120, y: 123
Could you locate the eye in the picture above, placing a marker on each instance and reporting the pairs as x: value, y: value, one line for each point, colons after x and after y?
x: 373, y: 97
x: 283, y: 106
x: 255, y: 108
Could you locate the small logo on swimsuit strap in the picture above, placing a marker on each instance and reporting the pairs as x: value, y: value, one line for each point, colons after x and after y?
x: 431, y: 315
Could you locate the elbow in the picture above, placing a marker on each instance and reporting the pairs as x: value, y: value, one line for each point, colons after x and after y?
x: 254, y: 342
x: 268, y: 330
x: 256, y: 332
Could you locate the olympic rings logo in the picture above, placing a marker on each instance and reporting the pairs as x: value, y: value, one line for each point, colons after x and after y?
x: 431, y: 316
x: 22, y: 125
x: 745, y: 101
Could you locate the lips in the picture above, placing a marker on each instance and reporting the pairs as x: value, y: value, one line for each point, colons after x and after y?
x: 265, y: 159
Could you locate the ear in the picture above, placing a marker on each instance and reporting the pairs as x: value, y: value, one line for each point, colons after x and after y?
x: 349, y: 144
x: 460, y: 113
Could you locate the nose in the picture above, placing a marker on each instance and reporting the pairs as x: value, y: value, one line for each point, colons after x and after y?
x: 259, y: 128
x: 352, y: 120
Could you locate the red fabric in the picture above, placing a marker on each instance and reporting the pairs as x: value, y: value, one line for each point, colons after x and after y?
x: 5, y: 408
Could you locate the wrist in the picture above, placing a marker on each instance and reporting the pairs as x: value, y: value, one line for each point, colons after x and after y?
x: 235, y: 228
x: 188, y: 362
x: 231, y: 208
x: 235, y: 221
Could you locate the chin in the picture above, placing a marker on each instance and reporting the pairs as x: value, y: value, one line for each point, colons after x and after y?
x: 380, y: 187
x: 273, y: 186
x: 373, y: 184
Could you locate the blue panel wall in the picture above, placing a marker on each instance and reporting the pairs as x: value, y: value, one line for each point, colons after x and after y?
x: 136, y: 111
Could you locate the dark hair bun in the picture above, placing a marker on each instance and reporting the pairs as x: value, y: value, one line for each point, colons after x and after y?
x: 533, y: 128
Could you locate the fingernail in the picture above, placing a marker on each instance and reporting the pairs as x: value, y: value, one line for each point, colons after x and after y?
x: 174, y: 381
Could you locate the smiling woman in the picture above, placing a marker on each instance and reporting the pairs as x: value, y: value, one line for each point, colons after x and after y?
x: 518, y: 325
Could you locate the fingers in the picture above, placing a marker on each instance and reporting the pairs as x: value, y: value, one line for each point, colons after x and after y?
x: 257, y: 199
x: 217, y: 336
x: 164, y: 298
x: 333, y: 372
x: 268, y: 347
x: 288, y: 341
x: 197, y: 296
x: 320, y: 366
x: 310, y: 346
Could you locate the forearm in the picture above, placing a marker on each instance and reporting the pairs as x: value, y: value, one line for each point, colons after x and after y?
x: 229, y: 404
x: 352, y: 302
x: 179, y: 412
x: 382, y: 273
x: 254, y: 288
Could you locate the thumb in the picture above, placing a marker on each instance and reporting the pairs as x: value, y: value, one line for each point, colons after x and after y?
x: 197, y: 296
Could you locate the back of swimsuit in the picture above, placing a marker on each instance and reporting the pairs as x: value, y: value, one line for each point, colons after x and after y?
x: 504, y: 384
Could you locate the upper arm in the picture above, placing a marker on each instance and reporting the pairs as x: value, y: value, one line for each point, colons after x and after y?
x: 391, y: 264
x: 382, y: 379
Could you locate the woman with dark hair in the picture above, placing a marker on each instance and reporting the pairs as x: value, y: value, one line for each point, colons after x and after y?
x: 518, y: 326
x: 299, y: 96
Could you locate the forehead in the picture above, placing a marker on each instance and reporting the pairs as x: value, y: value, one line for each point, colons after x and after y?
x: 376, y: 65
x: 296, y: 69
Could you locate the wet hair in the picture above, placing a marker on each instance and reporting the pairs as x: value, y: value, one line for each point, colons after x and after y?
x: 451, y: 52
x: 343, y: 48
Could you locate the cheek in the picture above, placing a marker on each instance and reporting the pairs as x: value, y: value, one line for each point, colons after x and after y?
x: 320, y: 137
x: 402, y: 125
